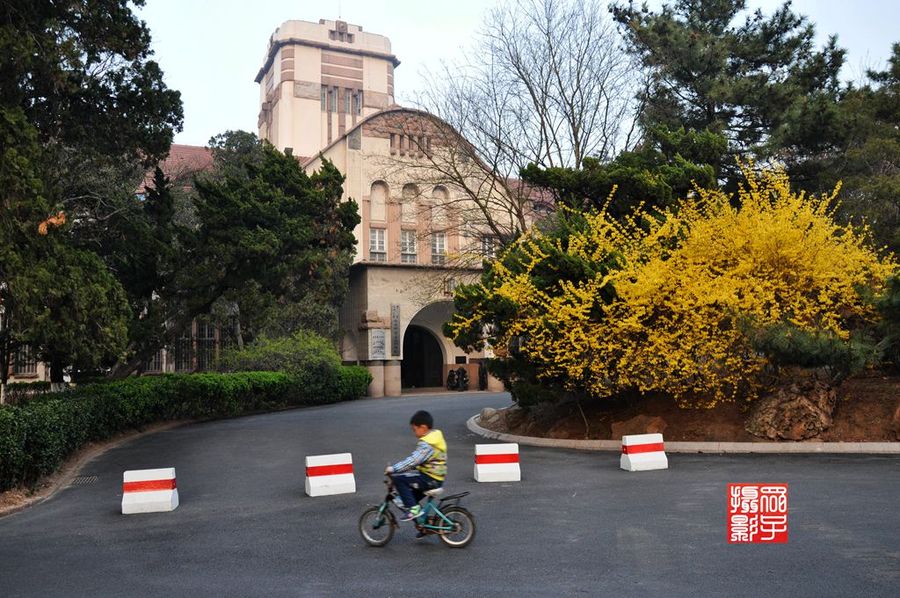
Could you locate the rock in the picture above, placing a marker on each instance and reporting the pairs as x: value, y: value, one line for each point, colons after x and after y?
x: 802, y: 410
x: 489, y: 416
x: 639, y: 424
x: 895, y: 422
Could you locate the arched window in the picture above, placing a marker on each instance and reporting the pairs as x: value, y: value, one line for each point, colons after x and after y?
x: 410, y: 191
x: 439, y: 193
x: 377, y: 200
x: 441, y: 207
x: 408, y: 209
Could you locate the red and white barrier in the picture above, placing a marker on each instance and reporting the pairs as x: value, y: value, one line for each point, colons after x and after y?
x: 497, y: 463
x: 149, y: 491
x: 643, y: 452
x: 330, y: 474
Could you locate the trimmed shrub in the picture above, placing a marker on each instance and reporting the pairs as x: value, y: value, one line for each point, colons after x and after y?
x: 35, y: 438
x: 19, y: 392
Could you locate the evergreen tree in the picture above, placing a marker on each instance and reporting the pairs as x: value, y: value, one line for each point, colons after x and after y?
x: 84, y: 111
x: 267, y: 234
x: 748, y: 81
x: 665, y: 168
x: 863, y: 154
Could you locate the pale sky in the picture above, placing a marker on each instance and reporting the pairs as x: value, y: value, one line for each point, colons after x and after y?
x: 211, y: 50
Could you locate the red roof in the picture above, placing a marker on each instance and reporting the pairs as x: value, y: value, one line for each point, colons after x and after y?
x: 183, y: 162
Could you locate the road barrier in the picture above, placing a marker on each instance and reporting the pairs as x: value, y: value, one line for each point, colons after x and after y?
x: 497, y: 463
x: 330, y: 474
x: 149, y: 491
x: 643, y: 452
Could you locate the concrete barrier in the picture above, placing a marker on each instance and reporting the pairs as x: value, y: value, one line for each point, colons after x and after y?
x: 149, y: 491
x: 497, y: 463
x: 330, y: 474
x: 643, y: 452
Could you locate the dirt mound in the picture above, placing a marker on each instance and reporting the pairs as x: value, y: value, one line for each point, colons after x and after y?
x: 867, y: 408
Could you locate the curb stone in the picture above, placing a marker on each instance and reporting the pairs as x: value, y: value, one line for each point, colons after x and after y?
x: 863, y: 448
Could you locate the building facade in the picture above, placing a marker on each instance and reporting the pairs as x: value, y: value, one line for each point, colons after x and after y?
x: 326, y: 92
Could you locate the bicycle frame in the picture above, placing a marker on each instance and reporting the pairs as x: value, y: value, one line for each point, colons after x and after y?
x: 439, y: 523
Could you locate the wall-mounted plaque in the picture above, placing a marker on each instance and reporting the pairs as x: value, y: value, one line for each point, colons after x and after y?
x: 396, y: 343
x: 377, y: 344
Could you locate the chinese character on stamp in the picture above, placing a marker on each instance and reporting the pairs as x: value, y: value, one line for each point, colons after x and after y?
x: 757, y: 513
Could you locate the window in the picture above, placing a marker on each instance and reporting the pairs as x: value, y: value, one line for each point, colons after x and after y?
x: 206, y: 345
x: 324, y: 98
x: 378, y: 196
x: 357, y: 102
x: 438, y: 249
x: 332, y: 100
x: 408, y: 246
x: 376, y: 245
x: 154, y: 364
x: 184, y: 358
x: 489, y: 246
x: 24, y: 362
x: 347, y: 93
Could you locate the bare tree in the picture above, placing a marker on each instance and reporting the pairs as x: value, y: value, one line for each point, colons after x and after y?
x: 546, y: 83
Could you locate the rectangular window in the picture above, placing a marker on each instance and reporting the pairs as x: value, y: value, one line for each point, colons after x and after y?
x: 438, y: 249
x: 184, y: 352
x: 347, y: 93
x: 489, y: 246
x: 24, y: 362
x: 359, y: 104
x: 332, y: 100
x: 408, y: 246
x: 206, y: 345
x: 376, y: 245
x: 324, y: 98
x: 154, y: 364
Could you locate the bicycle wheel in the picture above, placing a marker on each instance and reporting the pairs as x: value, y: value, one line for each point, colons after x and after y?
x: 376, y: 527
x: 464, y: 527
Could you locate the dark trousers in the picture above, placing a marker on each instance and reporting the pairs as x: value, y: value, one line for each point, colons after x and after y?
x: 411, y: 486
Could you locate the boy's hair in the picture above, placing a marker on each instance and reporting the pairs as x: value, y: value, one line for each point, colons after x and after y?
x: 422, y: 418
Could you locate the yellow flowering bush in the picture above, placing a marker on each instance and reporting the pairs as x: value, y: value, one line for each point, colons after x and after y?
x: 660, y: 302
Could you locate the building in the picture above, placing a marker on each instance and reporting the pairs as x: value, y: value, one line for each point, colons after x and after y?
x: 327, y: 92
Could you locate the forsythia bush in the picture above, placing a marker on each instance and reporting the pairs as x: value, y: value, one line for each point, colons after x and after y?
x: 664, y: 302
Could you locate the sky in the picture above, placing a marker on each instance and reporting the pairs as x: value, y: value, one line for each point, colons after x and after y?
x: 211, y: 50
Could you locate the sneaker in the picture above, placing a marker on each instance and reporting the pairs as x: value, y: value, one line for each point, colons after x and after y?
x: 421, y: 534
x: 412, y: 513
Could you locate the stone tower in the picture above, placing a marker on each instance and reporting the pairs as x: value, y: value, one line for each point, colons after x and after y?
x: 318, y: 80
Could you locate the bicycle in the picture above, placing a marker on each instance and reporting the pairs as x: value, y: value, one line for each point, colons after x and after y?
x: 453, y: 524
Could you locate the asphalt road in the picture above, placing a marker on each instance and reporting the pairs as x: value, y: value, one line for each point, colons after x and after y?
x: 575, y: 525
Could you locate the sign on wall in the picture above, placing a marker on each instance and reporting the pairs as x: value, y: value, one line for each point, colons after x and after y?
x: 395, y: 331
x: 377, y: 344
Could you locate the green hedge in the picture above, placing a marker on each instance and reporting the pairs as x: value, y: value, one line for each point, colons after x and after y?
x: 37, y: 437
x: 19, y: 392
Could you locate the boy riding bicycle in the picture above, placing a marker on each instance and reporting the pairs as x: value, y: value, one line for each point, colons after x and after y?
x: 425, y: 469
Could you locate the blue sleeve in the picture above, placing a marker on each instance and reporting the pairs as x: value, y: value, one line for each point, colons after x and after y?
x: 422, y: 453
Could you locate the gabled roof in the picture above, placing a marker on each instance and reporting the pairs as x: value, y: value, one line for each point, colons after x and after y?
x: 182, y: 163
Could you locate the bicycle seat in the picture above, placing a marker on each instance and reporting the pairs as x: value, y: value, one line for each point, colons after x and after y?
x: 435, y: 492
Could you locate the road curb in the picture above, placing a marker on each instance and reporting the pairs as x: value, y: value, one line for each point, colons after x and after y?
x: 794, y: 448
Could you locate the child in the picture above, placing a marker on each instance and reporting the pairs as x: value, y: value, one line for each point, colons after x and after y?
x: 425, y: 469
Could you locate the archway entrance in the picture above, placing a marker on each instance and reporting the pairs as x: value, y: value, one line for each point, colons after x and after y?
x: 423, y: 360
